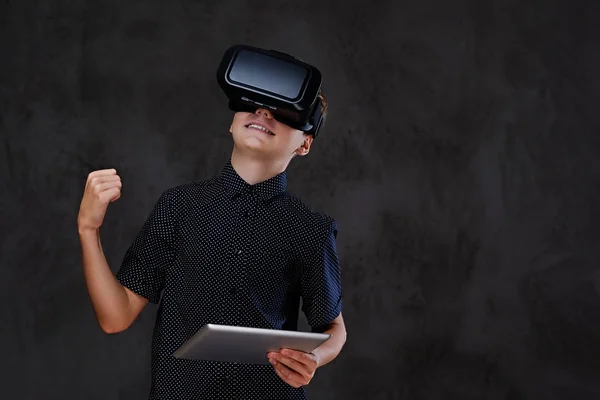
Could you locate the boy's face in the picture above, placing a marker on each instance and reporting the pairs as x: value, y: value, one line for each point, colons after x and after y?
x: 279, y: 143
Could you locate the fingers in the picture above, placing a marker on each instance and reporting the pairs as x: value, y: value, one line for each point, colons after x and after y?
x: 109, y: 195
x: 107, y: 192
x: 308, y: 359
x: 292, y: 364
x: 104, y: 178
x: 102, y: 175
x: 102, y: 172
x: 305, y: 361
x: 294, y: 367
x: 101, y: 181
x: 292, y: 378
x: 101, y: 187
x: 98, y: 179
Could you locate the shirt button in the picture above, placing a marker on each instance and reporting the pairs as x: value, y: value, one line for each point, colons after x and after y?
x: 232, y: 291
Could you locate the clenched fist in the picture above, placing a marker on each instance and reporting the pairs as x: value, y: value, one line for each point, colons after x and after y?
x: 102, y: 187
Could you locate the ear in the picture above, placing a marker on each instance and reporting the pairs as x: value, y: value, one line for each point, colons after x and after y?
x: 305, y: 146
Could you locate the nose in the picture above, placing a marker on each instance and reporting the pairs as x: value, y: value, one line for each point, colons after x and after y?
x: 264, y: 112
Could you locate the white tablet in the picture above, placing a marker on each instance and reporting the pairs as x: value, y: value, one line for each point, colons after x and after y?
x: 244, y: 344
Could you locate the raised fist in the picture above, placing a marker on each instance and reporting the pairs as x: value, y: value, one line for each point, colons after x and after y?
x: 102, y: 187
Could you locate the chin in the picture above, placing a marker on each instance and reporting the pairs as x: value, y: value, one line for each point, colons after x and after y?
x: 245, y: 142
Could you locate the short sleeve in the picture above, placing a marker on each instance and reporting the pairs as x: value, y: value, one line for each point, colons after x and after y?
x: 144, y: 264
x: 321, y: 284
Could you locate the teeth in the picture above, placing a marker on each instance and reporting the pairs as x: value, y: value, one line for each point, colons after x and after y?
x: 259, y: 127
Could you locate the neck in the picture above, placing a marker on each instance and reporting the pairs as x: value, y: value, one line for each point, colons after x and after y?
x: 254, y: 170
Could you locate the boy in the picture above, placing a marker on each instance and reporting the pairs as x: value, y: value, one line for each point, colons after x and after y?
x: 236, y: 249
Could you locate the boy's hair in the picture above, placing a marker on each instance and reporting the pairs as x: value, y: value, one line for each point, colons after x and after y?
x: 323, y: 103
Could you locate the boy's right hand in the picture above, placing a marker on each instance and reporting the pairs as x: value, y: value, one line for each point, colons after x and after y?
x: 102, y: 187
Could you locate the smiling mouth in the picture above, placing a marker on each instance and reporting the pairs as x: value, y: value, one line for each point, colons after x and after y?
x: 260, y: 128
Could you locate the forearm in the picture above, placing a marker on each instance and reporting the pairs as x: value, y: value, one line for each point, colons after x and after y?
x: 329, y: 350
x: 109, y: 298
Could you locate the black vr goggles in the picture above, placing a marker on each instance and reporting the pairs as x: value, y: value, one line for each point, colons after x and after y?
x: 255, y: 78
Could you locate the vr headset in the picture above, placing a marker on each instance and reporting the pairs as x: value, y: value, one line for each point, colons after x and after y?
x: 255, y: 78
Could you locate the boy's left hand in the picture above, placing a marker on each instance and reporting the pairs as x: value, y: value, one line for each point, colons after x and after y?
x: 295, y: 367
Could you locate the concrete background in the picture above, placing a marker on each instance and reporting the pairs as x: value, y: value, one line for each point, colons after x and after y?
x: 460, y: 159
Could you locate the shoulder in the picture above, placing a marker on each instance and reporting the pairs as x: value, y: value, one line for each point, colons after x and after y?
x: 194, y: 193
x: 313, y: 220
x: 190, y: 189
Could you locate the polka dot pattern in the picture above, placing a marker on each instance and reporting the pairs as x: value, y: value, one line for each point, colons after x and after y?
x: 226, y: 252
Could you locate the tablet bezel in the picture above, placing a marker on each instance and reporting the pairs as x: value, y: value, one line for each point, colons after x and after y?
x: 240, y: 344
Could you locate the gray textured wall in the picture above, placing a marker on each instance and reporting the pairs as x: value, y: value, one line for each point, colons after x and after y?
x: 460, y: 158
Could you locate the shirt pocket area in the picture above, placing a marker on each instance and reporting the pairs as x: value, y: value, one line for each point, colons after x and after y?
x: 271, y: 277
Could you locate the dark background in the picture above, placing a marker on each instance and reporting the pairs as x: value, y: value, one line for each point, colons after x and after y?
x: 460, y: 159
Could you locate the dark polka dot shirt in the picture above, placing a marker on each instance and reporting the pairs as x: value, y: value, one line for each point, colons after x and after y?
x: 225, y: 252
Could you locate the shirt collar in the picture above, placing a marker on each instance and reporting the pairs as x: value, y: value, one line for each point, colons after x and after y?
x: 264, y: 190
